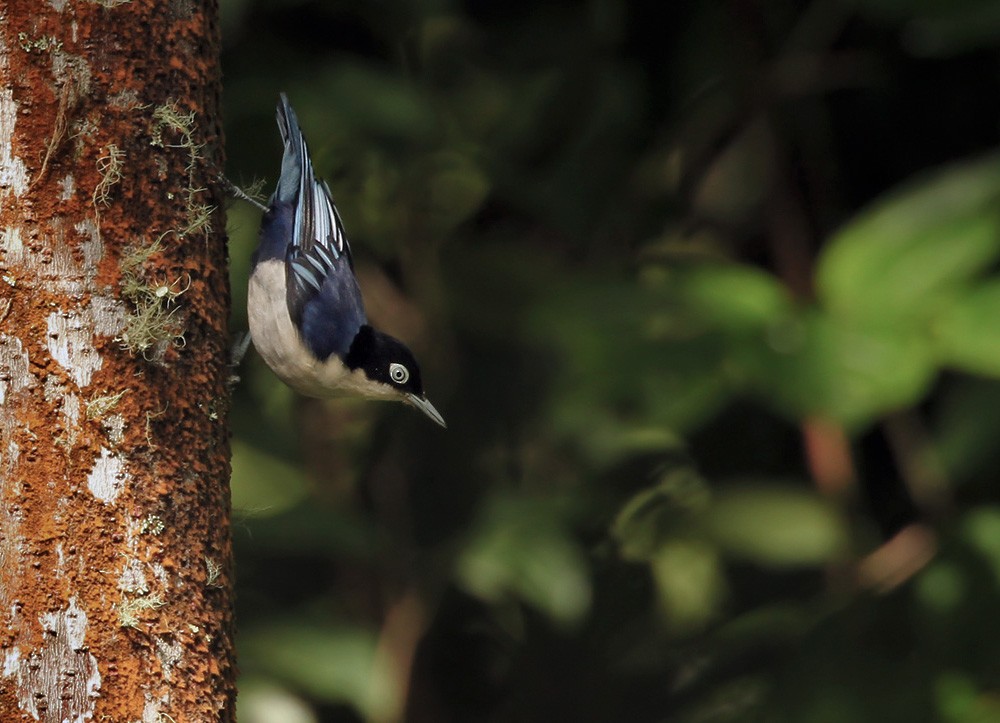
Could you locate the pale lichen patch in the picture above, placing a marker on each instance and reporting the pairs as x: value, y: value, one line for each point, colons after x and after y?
x: 71, y: 410
x: 160, y: 573
x: 60, y: 681
x: 152, y: 525
x: 131, y: 609
x: 58, y: 266
x: 91, y: 247
x: 133, y: 579
x: 107, y: 478
x: 108, y: 315
x: 11, y: 243
x: 151, y: 710
x: 99, y: 405
x: 71, y: 407
x: 14, y: 374
x: 11, y: 660
x: 69, y: 341
x: 10, y: 455
x: 13, y: 172
x: 114, y: 427
x: 66, y: 186
x: 170, y: 653
x: 55, y: 263
x: 9, y: 563
x: 213, y: 571
x: 125, y: 98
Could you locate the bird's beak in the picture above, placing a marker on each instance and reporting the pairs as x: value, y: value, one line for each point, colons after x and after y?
x: 426, y: 407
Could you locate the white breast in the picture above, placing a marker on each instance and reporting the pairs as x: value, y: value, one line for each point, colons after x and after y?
x: 279, y: 343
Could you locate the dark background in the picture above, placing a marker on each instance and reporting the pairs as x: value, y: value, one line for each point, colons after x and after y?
x: 706, y: 292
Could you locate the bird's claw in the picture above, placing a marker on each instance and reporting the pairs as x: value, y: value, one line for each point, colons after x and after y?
x: 236, y: 192
x: 241, y: 342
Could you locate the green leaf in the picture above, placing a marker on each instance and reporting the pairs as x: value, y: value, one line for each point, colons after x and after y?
x: 981, y: 529
x: 892, y: 262
x: 657, y: 512
x: 960, y: 700
x: 263, y: 701
x: 941, y: 587
x: 821, y: 365
x: 777, y: 526
x: 521, y: 549
x: 690, y: 584
x: 612, y: 441
x: 966, y: 334
x: 735, y: 297
x: 335, y: 664
x: 639, y: 350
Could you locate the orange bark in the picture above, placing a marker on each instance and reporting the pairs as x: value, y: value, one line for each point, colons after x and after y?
x: 115, y: 552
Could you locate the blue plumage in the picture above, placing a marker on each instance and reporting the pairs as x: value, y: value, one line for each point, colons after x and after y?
x: 307, y: 318
x: 303, y: 228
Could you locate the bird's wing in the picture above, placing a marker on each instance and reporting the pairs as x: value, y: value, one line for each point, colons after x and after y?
x: 318, y: 254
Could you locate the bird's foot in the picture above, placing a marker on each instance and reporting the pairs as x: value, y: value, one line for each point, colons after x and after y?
x: 241, y: 342
x: 236, y: 192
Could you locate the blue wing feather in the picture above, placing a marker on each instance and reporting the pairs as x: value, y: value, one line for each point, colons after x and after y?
x: 331, y: 318
x: 323, y: 296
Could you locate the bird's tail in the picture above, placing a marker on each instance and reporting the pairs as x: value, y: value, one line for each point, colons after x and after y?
x: 295, y: 163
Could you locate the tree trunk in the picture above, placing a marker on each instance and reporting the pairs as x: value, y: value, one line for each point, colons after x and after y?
x: 115, y: 600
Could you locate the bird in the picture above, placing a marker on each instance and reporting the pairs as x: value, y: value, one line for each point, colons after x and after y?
x: 307, y: 318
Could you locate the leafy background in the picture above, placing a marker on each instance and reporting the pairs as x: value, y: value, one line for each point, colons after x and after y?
x: 708, y: 294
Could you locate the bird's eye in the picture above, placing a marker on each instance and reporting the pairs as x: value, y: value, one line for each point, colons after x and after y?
x: 398, y: 373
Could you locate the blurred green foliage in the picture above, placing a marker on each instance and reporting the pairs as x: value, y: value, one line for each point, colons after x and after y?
x: 708, y: 295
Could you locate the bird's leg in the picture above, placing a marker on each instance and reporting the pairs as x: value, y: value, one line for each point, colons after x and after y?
x: 241, y: 342
x: 236, y: 192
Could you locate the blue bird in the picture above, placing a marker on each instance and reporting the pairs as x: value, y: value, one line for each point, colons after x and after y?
x: 307, y: 319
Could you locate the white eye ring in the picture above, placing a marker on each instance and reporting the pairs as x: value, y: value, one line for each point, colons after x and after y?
x: 398, y: 373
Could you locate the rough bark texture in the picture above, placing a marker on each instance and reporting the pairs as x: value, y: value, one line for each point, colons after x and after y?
x: 114, y: 535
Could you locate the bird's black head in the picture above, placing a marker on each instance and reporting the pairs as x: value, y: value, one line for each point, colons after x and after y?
x: 385, y: 360
x: 390, y: 370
